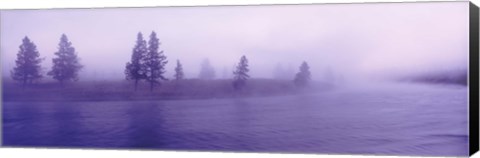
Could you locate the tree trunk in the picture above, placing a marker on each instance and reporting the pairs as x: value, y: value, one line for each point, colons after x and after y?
x: 151, y: 86
x: 151, y: 82
x: 24, y: 84
x: 136, y: 84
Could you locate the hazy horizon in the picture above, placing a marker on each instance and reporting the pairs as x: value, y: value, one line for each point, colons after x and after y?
x: 353, y: 40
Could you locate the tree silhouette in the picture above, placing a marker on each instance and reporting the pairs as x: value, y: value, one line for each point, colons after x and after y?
x: 240, y: 74
x: 155, y: 62
x: 302, y: 78
x: 179, y: 75
x: 66, y: 63
x: 206, y: 71
x: 135, y: 69
x: 27, y: 66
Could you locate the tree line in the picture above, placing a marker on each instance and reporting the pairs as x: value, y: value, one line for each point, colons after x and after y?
x: 27, y: 68
x: 147, y: 63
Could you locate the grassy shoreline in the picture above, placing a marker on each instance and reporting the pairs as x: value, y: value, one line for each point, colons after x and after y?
x: 170, y: 90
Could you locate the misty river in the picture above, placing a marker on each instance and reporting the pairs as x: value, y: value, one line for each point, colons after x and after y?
x: 405, y: 119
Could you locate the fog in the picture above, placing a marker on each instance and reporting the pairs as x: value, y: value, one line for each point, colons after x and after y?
x: 342, y: 43
x: 351, y: 40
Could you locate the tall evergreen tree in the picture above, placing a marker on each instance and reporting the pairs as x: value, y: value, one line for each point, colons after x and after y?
x: 66, y: 64
x: 206, y: 70
x: 135, y: 69
x: 240, y: 74
x: 303, y: 77
x: 155, y: 62
x: 27, y: 66
x: 179, y: 75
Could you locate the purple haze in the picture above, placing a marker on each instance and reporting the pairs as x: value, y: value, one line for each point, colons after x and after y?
x: 357, y: 40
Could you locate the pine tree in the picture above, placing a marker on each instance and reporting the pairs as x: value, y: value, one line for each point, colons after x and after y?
x: 135, y: 69
x: 155, y: 62
x: 302, y: 78
x: 207, y: 71
x: 27, y: 67
x: 66, y: 64
x: 240, y: 74
x: 179, y: 75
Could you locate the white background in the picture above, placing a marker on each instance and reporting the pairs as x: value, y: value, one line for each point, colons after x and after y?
x: 82, y: 153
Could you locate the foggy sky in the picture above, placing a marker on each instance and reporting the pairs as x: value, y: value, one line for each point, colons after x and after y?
x: 355, y: 40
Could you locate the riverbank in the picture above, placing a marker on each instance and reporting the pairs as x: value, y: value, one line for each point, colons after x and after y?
x: 170, y: 90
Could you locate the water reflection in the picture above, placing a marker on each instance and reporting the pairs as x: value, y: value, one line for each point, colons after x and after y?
x: 410, y: 122
x: 142, y: 131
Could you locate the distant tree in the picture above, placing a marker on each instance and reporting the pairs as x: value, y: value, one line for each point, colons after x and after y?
x: 289, y: 72
x: 135, y: 69
x: 279, y: 72
x: 283, y: 72
x: 302, y: 78
x: 225, y: 73
x: 27, y: 66
x: 66, y: 64
x: 207, y: 71
x: 241, y: 74
x: 329, y: 75
x: 179, y: 75
x: 155, y: 62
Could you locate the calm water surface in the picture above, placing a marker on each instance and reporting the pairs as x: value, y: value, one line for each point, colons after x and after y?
x: 420, y: 120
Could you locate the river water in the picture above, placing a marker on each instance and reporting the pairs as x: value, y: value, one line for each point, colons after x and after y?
x: 398, y: 120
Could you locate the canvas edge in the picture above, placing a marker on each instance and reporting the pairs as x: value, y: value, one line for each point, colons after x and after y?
x: 1, y: 87
x: 227, y: 4
x: 473, y: 79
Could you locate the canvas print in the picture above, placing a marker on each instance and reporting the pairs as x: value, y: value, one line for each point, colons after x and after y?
x: 371, y: 78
